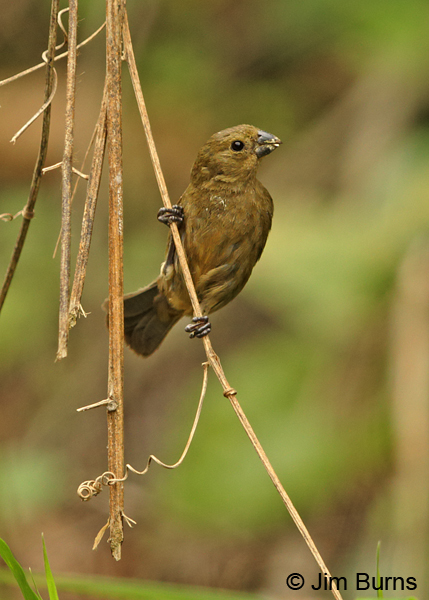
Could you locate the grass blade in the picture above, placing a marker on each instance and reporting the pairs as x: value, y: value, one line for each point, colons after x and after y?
x: 52, y: 589
x: 379, y: 590
x: 17, y: 571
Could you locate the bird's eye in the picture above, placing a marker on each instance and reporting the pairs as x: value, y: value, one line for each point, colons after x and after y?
x: 237, y: 145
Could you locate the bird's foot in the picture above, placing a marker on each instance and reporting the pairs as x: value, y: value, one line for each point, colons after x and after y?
x: 199, y: 327
x: 171, y: 215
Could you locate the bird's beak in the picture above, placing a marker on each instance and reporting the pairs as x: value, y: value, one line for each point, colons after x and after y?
x: 266, y: 143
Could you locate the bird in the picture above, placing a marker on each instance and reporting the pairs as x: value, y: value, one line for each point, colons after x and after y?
x: 224, y: 217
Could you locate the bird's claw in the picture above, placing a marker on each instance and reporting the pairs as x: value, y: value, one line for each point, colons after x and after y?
x: 199, y: 327
x: 171, y: 215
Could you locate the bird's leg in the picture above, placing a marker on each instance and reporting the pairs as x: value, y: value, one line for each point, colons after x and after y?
x: 171, y: 215
x: 199, y: 327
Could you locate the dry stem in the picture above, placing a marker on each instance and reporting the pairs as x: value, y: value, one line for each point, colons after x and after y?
x: 54, y: 85
x: 229, y: 392
x: 115, y: 11
x: 67, y: 173
x: 89, y: 489
x: 39, y: 112
x: 153, y: 458
x: 81, y: 176
x: 89, y: 213
x: 28, y: 211
x: 59, y: 57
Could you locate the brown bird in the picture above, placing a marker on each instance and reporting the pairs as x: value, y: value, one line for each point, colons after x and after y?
x: 224, y: 217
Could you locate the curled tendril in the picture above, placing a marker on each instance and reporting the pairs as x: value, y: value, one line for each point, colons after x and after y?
x: 27, y: 214
x: 91, y: 488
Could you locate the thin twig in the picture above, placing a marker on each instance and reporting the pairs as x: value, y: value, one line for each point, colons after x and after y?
x: 153, y: 458
x: 89, y: 214
x: 39, y: 112
x: 60, y: 164
x: 130, y: 58
x: 115, y: 419
x: 88, y: 149
x: 59, y: 57
x: 91, y: 488
x: 37, y: 173
x: 229, y: 392
x: 63, y: 27
x: 104, y: 402
x: 67, y: 171
x: 55, y: 83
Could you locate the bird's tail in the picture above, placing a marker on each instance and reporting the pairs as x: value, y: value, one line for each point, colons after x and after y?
x: 147, y: 319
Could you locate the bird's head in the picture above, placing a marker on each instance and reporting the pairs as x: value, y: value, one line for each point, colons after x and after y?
x: 232, y: 155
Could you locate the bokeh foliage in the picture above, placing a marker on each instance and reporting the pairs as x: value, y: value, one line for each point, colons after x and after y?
x: 308, y: 345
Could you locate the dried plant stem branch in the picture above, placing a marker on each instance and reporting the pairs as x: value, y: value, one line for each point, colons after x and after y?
x: 54, y: 87
x: 55, y: 83
x: 60, y: 164
x: 130, y: 58
x: 115, y: 419
x: 104, y: 402
x: 231, y: 394
x: 89, y: 214
x: 153, y: 458
x: 46, y: 169
x: 279, y: 487
x: 62, y: 26
x: 67, y: 172
x: 91, y: 488
x: 59, y: 57
x: 52, y: 167
x: 213, y: 359
x: 37, y: 173
x: 39, y: 112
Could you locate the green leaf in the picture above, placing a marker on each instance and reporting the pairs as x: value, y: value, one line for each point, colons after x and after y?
x: 52, y: 590
x: 17, y: 571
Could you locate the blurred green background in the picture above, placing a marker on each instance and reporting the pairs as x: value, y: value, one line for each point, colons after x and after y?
x: 328, y: 345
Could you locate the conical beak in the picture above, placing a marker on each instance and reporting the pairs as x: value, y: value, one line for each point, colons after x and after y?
x: 266, y: 143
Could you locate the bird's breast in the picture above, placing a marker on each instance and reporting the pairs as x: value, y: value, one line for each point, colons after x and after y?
x: 222, y: 232
x: 217, y: 203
